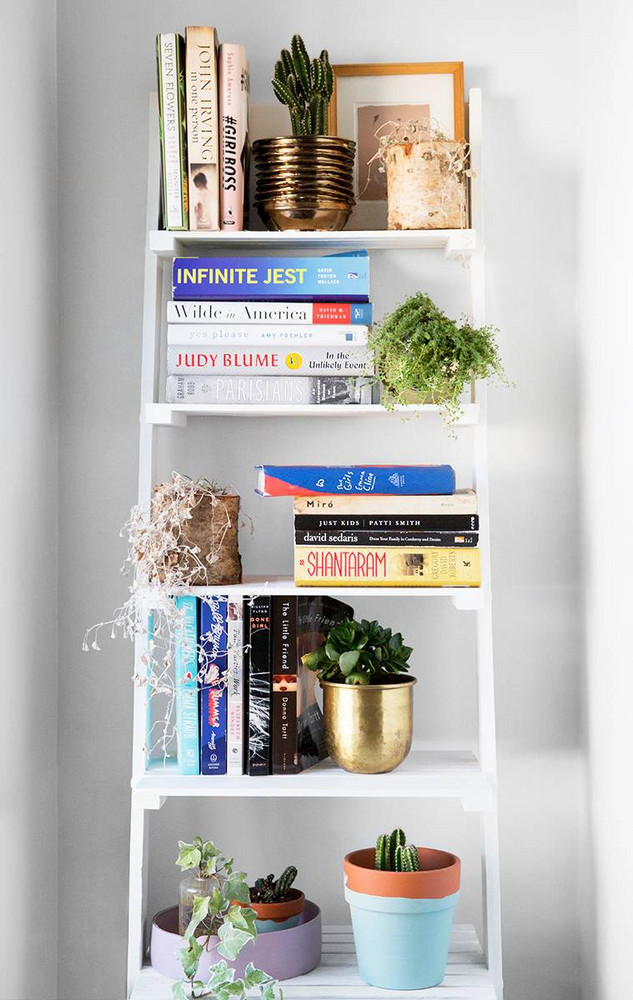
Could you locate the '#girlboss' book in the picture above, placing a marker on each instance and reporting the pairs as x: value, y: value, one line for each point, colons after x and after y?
x: 309, y: 480
x: 234, y: 90
x: 339, y: 276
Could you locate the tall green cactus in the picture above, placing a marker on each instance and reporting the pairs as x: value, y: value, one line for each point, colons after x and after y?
x: 393, y: 854
x: 305, y: 85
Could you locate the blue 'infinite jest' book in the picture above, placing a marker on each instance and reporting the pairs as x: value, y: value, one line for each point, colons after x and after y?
x: 213, y: 666
x: 333, y: 278
x: 391, y: 480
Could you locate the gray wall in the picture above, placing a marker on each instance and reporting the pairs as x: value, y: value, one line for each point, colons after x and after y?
x: 28, y: 503
x: 523, y: 58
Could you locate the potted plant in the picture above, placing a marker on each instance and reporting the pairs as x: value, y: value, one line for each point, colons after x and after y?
x: 421, y: 355
x: 304, y: 181
x: 367, y: 697
x: 401, y: 900
x: 276, y: 904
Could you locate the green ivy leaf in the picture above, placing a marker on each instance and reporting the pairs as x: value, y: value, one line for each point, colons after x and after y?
x: 189, y: 856
x: 178, y: 991
x: 219, y: 975
x: 199, y: 913
x: 190, y: 957
x: 236, y: 888
x: 232, y: 940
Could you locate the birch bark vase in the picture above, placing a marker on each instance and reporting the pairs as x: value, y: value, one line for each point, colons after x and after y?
x: 426, y: 185
x: 213, y: 528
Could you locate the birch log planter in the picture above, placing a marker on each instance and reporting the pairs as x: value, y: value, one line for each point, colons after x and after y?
x: 426, y: 184
x: 402, y: 920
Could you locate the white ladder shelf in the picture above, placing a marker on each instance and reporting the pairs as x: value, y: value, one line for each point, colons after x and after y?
x: 474, y: 971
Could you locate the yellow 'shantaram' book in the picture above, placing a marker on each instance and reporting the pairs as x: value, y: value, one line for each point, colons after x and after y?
x: 369, y: 566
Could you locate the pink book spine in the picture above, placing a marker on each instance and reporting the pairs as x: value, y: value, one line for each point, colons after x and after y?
x: 234, y: 89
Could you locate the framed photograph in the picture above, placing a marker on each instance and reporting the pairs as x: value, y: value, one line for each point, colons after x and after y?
x: 368, y: 97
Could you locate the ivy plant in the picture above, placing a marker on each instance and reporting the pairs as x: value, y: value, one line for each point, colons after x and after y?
x: 359, y: 653
x: 228, y: 905
x: 422, y: 354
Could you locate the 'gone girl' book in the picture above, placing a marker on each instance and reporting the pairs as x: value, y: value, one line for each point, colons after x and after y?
x: 331, y: 278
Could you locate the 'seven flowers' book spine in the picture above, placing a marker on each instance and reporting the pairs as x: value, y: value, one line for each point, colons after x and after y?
x: 285, y: 686
x: 386, y: 567
x: 278, y: 313
x: 203, y: 148
x: 235, y: 689
x: 234, y: 94
x: 259, y: 686
x: 186, y: 335
x: 186, y: 672
x: 170, y: 57
x: 269, y: 390
x: 271, y: 360
x: 213, y: 697
x: 309, y: 480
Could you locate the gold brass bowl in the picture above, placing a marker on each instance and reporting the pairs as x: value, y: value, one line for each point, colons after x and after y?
x: 368, y: 728
x: 304, y: 182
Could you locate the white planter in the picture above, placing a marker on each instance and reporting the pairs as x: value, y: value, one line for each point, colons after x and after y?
x: 426, y: 185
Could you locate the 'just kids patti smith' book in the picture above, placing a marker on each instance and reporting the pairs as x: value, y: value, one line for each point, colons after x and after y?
x: 332, y: 278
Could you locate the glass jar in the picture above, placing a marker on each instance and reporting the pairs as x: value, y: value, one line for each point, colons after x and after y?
x: 191, y: 886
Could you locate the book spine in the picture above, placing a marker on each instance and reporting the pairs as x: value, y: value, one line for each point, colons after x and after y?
x: 463, y: 502
x: 386, y: 567
x: 284, y: 681
x: 396, y: 522
x: 259, y: 686
x: 235, y: 688
x: 202, y: 128
x: 234, y: 94
x: 213, y: 699
x: 287, y: 361
x: 341, y: 276
x: 254, y: 334
x: 271, y: 390
x: 384, y: 537
x: 172, y: 123
x: 279, y: 313
x: 186, y: 671
x: 309, y: 480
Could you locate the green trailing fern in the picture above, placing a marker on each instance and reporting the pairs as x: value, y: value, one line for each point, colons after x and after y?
x: 393, y: 854
x: 305, y: 85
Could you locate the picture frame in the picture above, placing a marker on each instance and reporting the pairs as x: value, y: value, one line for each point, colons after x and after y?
x: 366, y: 96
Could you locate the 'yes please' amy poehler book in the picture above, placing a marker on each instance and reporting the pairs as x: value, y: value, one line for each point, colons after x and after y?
x: 332, y: 278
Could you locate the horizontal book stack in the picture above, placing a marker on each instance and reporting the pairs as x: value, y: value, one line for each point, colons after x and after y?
x: 270, y: 331
x: 379, y: 526
x: 244, y: 702
x: 203, y: 92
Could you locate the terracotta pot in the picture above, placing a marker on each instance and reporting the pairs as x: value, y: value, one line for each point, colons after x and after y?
x: 279, y: 916
x: 439, y: 875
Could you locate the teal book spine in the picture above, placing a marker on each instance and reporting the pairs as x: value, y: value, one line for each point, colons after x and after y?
x: 186, y: 670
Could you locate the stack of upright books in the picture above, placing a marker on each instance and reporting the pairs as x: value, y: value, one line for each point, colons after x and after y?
x: 379, y: 526
x: 270, y: 330
x: 245, y: 704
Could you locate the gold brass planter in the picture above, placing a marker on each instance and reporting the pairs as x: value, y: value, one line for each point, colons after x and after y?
x: 368, y: 728
x: 304, y: 182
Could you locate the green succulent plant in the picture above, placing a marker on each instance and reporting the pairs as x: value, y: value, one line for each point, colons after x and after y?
x: 393, y: 854
x: 359, y: 653
x: 305, y: 85
x: 271, y: 890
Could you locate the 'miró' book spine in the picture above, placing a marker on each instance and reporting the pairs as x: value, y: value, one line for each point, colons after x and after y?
x: 170, y: 60
x: 203, y: 148
x: 234, y: 91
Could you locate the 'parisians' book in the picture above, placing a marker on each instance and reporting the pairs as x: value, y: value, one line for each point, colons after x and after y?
x: 316, y: 566
x: 461, y: 502
x: 235, y: 688
x: 253, y: 335
x: 234, y: 93
x: 186, y: 671
x: 257, y: 619
x: 277, y: 313
x: 203, y: 147
x: 268, y: 390
x: 269, y: 360
x: 170, y: 61
x: 213, y: 666
x: 308, y: 480
x: 330, y: 278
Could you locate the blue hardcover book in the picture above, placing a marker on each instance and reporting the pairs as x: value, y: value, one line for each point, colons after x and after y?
x: 320, y: 279
x: 213, y: 698
x: 186, y: 669
x: 346, y: 480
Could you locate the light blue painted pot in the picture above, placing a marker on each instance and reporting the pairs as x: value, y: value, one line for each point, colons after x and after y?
x: 267, y: 926
x: 401, y: 944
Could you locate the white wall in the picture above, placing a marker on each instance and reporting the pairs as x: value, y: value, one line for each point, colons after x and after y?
x: 605, y: 37
x: 28, y: 418
x: 523, y: 58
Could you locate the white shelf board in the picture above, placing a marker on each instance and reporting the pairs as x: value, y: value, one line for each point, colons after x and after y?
x: 442, y: 774
x: 176, y: 414
x: 456, y: 243
x: 464, y: 598
x: 337, y: 978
